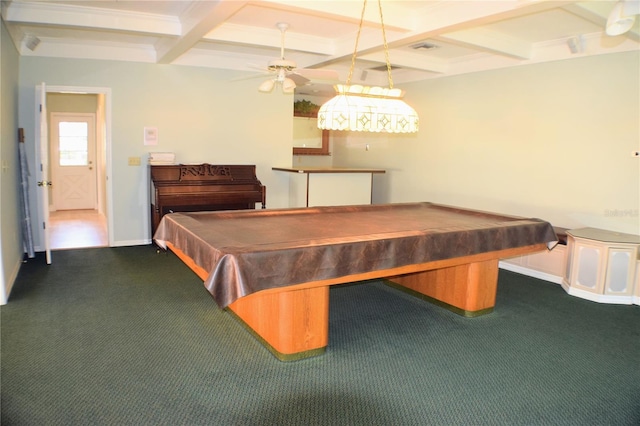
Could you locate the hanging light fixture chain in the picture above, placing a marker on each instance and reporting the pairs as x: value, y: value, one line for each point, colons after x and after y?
x: 355, y: 49
x: 368, y: 108
x: 386, y: 47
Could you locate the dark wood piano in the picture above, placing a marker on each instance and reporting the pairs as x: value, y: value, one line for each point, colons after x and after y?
x: 202, y: 187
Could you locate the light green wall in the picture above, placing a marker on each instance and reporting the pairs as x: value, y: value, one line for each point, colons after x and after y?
x: 551, y: 140
x: 201, y: 115
x: 11, y: 248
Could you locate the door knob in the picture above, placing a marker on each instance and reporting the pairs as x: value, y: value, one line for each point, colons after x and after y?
x: 45, y: 183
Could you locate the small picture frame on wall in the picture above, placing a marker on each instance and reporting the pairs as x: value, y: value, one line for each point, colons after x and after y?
x: 151, y: 136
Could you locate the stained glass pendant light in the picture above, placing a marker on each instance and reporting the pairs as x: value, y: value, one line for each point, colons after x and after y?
x: 368, y: 108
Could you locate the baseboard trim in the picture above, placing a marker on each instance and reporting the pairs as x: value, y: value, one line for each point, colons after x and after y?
x: 11, y: 280
x: 530, y: 272
x: 599, y: 298
x: 144, y: 242
x: 125, y: 243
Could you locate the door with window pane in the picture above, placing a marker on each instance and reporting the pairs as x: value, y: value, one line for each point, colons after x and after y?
x: 73, y: 171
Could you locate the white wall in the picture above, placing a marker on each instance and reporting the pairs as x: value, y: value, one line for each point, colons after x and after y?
x: 200, y: 114
x: 11, y: 248
x: 551, y: 140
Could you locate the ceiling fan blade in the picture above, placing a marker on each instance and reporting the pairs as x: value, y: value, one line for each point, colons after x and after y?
x: 264, y: 72
x: 258, y: 67
x: 298, y: 79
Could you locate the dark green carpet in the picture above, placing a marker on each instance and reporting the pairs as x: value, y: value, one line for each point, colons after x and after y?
x: 127, y: 336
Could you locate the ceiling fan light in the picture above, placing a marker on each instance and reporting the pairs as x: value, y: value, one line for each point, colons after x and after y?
x: 266, y: 86
x: 622, y: 17
x: 288, y: 85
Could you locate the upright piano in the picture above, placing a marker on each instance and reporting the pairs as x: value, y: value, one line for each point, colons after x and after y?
x: 203, y: 187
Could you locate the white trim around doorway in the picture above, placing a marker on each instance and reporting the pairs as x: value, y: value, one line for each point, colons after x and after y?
x: 106, y: 91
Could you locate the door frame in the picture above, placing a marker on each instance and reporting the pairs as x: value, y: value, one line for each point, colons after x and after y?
x: 55, y: 168
x: 104, y: 162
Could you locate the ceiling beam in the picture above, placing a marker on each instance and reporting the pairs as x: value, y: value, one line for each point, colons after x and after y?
x: 198, y: 20
x: 595, y: 12
x: 395, y: 15
x: 446, y: 16
x: 490, y: 40
x: 598, y: 13
x: 254, y: 36
x: 43, y: 13
x: 409, y: 60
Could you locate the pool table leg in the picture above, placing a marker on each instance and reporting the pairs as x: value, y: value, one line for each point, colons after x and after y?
x: 468, y: 289
x: 292, y: 324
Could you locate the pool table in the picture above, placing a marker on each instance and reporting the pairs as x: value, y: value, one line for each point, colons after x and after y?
x: 273, y: 268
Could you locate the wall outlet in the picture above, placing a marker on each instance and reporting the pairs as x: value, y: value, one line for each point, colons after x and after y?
x: 134, y: 161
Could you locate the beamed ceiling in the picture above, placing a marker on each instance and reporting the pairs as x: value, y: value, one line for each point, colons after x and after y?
x: 426, y: 38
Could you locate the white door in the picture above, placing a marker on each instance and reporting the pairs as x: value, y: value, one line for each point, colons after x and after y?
x: 73, y: 161
x: 43, y: 183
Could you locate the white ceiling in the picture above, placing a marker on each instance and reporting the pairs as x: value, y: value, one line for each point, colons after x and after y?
x: 468, y: 36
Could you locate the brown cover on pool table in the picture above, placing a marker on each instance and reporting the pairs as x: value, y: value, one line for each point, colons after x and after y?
x: 252, y: 250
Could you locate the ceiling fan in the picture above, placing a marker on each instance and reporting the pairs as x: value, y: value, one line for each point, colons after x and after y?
x: 287, y: 74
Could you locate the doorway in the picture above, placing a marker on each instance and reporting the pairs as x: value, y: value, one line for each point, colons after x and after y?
x: 72, y: 150
x: 77, y: 147
x: 71, y: 229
